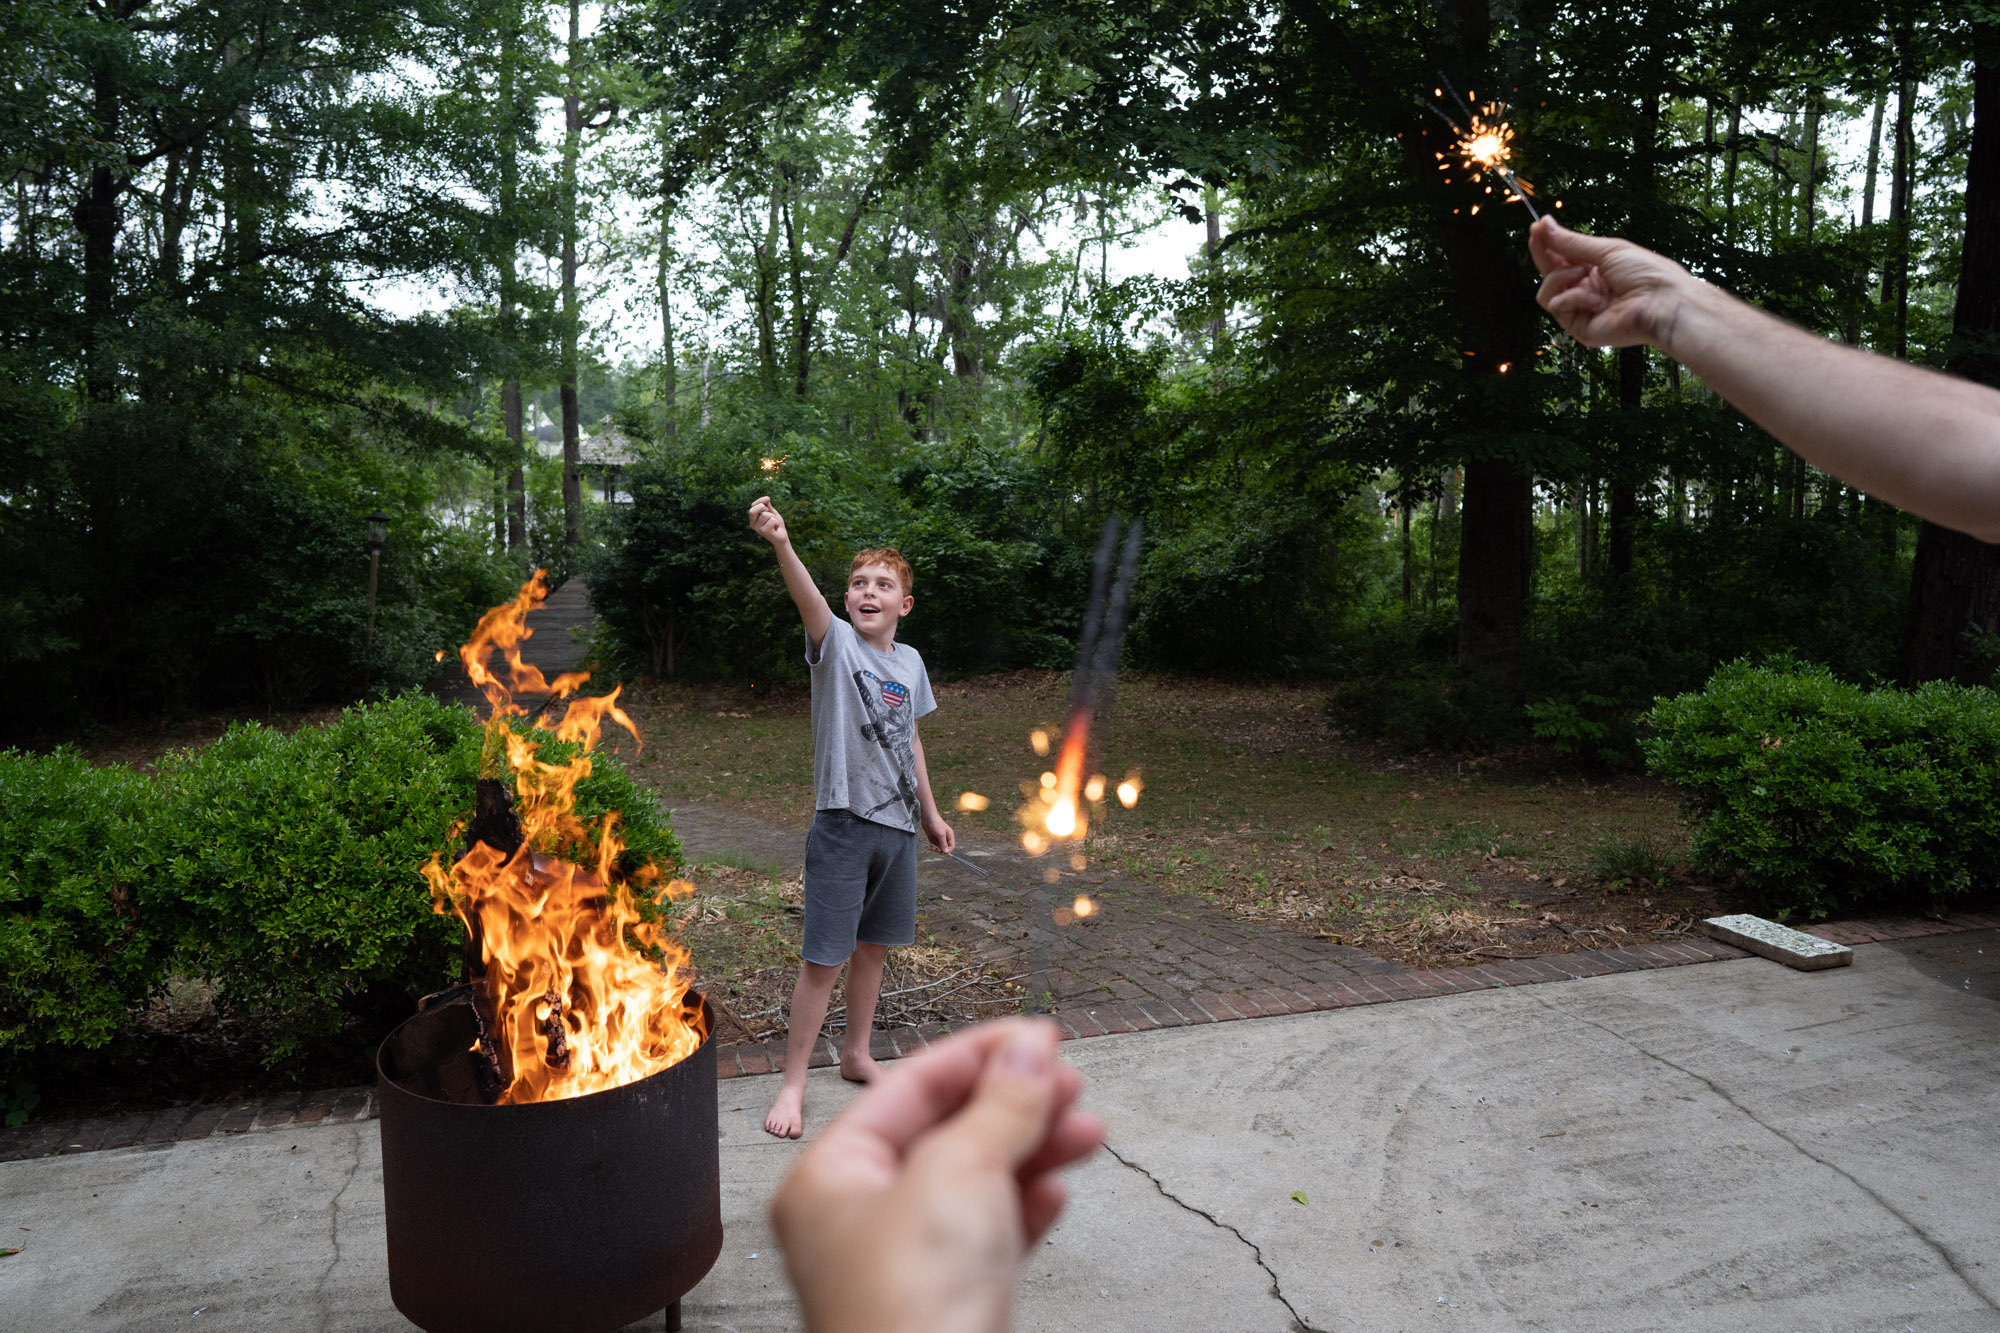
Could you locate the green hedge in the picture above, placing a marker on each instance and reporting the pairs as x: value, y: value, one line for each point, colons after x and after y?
x: 1824, y: 796
x: 282, y: 870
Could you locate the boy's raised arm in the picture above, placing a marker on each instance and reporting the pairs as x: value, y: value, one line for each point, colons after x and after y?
x: 769, y: 524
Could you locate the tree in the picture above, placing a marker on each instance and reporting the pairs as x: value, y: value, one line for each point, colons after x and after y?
x: 1955, y: 583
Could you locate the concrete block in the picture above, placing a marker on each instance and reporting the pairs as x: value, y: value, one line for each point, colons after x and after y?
x: 1793, y: 948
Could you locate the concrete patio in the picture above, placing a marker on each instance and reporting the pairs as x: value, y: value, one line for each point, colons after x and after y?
x: 1716, y: 1147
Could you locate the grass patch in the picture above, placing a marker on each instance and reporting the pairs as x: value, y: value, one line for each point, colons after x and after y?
x: 1251, y: 802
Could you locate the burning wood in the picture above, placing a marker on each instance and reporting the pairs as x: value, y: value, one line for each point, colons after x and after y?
x: 573, y: 985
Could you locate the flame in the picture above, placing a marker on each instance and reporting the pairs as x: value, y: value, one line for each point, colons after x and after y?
x: 588, y: 990
x: 1128, y: 791
x: 771, y: 464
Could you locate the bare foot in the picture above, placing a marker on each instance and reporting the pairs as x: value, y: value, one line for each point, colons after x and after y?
x: 859, y: 1068
x: 787, y: 1117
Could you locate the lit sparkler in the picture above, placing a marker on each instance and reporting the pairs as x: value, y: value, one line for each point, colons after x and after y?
x: 1058, y: 810
x: 1485, y: 143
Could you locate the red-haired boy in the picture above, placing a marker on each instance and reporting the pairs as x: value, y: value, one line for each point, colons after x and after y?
x: 871, y: 795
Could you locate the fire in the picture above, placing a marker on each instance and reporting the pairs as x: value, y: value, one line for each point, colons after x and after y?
x: 585, y: 989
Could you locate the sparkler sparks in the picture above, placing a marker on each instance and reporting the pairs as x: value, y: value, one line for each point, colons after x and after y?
x: 1484, y: 143
x: 1058, y: 810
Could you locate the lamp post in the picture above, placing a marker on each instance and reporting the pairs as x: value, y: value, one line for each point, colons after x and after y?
x: 378, y: 536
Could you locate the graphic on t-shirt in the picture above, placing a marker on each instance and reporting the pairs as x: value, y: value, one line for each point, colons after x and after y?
x: 892, y: 731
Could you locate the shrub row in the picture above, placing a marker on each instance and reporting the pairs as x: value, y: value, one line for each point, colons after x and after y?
x: 282, y: 870
x: 1823, y: 796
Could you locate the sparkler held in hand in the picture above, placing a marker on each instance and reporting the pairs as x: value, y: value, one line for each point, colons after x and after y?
x: 1485, y: 142
x: 1092, y: 684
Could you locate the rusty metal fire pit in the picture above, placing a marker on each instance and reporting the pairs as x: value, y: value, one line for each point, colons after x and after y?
x: 575, y: 1216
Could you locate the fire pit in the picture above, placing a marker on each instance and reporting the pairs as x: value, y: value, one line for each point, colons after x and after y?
x: 573, y: 1216
x: 549, y: 1159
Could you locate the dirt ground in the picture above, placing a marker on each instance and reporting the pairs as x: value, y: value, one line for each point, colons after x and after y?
x: 1253, y: 802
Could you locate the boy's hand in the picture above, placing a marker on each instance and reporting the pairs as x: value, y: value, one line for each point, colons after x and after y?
x: 768, y: 523
x: 939, y: 833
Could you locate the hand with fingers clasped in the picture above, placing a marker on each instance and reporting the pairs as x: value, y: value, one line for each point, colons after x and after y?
x: 916, y: 1209
x: 1606, y: 292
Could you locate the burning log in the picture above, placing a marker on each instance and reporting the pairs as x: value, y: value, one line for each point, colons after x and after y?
x: 561, y: 1101
x: 574, y: 984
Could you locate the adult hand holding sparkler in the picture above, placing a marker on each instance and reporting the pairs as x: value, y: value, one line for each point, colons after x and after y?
x: 1924, y: 442
x: 916, y: 1208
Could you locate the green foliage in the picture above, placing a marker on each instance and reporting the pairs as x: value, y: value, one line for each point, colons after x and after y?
x: 1626, y: 861
x: 283, y: 870
x: 86, y: 924
x: 1824, y: 796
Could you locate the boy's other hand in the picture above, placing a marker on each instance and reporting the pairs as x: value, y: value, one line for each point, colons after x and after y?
x: 916, y: 1208
x: 767, y: 522
x: 1606, y: 292
x: 939, y: 834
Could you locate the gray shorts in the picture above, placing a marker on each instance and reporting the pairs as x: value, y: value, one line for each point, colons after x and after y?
x: 861, y: 884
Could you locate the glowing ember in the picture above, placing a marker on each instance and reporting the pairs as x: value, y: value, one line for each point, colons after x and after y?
x: 587, y: 990
x: 1128, y: 791
x: 771, y: 464
x: 1083, y: 906
x: 1039, y: 739
x: 972, y: 800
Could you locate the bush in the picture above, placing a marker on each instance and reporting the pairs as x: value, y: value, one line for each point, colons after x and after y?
x: 85, y: 931
x: 1822, y: 795
x: 283, y: 870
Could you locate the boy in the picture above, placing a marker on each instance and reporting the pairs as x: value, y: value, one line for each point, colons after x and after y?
x: 871, y: 793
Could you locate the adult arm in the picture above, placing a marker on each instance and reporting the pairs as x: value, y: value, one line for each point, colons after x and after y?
x: 1925, y: 442
x: 940, y: 833
x: 769, y: 524
x: 915, y: 1210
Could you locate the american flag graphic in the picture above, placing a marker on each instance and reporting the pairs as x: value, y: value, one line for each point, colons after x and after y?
x: 894, y: 694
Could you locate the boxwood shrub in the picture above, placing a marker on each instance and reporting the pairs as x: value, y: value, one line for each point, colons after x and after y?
x: 86, y: 923
x: 1824, y: 796
x: 280, y: 869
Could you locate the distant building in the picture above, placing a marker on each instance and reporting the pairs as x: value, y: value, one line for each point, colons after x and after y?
x: 603, y: 452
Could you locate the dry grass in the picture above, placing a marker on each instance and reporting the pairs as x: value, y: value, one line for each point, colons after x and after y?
x: 1253, y: 803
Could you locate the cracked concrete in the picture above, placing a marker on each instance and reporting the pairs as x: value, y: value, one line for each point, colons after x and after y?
x: 1277, y: 1292
x: 1728, y: 1146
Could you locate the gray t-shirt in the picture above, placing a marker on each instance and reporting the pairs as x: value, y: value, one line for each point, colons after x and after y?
x: 865, y: 707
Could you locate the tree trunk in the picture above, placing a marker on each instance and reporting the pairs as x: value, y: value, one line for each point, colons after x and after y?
x: 1811, y: 201
x: 515, y: 535
x: 572, y: 479
x: 1729, y: 172
x: 1495, y: 550
x: 1955, y: 584
x: 1896, y: 271
x: 1622, y: 488
x: 1500, y: 325
x: 1874, y: 158
x: 1218, y: 324
x: 669, y: 421
x: 97, y: 218
x: 1409, y: 585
